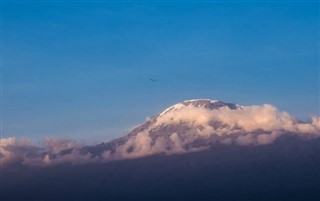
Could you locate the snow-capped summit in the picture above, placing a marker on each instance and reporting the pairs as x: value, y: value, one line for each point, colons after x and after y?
x: 204, y: 103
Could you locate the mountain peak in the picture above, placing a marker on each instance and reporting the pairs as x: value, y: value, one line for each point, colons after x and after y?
x: 204, y: 103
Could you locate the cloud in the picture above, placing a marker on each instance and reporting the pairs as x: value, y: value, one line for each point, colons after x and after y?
x: 268, y: 138
x: 55, y: 146
x: 248, y: 118
x: 53, y: 152
x: 13, y: 150
x: 183, y: 130
x: 249, y: 125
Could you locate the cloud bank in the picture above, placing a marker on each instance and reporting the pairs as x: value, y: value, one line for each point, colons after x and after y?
x: 52, y: 152
x: 249, y: 125
x: 183, y: 130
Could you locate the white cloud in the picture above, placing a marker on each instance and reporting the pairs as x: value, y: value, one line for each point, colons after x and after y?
x: 250, y: 125
x: 23, y: 152
x: 12, y: 150
x: 246, y: 139
x: 268, y: 138
x: 55, y: 145
x: 249, y: 118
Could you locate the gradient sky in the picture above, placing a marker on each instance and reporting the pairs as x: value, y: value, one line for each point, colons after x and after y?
x: 81, y: 70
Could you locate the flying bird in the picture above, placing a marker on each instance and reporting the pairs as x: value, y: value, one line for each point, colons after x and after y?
x: 153, y: 80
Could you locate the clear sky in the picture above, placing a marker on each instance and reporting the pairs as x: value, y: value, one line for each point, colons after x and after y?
x: 82, y: 69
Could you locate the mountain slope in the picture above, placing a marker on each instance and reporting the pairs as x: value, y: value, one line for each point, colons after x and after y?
x: 195, y: 125
x: 165, y: 135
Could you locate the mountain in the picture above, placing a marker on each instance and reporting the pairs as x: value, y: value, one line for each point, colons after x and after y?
x: 195, y: 150
x: 195, y: 125
x: 168, y: 136
x: 188, y: 126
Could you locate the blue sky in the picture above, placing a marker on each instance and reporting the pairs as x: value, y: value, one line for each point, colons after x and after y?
x: 81, y: 70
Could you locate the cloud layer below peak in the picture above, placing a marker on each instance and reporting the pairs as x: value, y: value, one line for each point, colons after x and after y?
x: 180, y: 131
